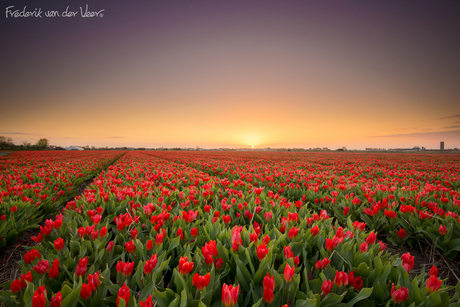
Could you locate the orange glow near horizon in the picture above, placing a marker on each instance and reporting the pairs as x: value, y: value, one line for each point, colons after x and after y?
x: 266, y: 122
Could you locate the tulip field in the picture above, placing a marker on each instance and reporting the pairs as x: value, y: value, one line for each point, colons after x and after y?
x: 179, y: 228
x: 36, y: 184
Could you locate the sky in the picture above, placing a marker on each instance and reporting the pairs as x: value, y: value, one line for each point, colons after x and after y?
x: 231, y: 73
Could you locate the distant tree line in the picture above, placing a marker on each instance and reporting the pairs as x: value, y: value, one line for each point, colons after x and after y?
x: 7, y: 143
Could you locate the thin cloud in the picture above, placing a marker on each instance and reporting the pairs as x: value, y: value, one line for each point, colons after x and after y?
x: 115, y: 137
x: 20, y: 133
x: 437, y: 134
x: 453, y: 116
x: 452, y: 127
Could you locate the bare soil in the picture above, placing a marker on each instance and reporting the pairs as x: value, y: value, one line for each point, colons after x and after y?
x: 427, y: 256
x: 10, y: 255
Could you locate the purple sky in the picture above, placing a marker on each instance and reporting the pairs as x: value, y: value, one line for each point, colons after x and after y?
x: 233, y: 73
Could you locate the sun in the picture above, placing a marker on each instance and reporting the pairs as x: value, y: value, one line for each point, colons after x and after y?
x: 251, y: 140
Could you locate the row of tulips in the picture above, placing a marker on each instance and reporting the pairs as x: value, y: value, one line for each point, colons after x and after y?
x: 153, y: 232
x: 418, y: 195
x: 34, y: 185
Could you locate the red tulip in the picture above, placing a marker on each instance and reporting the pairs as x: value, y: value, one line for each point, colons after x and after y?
x: 363, y: 247
x: 185, y: 266
x: 81, y: 232
x: 341, y: 279
x: 390, y: 214
x: 408, y: 262
x: 159, y: 238
x: 194, y: 232
x: 434, y: 271
x: 400, y: 295
x: 218, y: 263
x: 339, y: 232
x: 180, y: 233
x: 201, y: 282
x: 94, y: 281
x: 359, y: 226
x: 288, y: 272
x: 86, y: 291
x: 82, y: 267
x: 209, y: 251
x: 125, y: 267
x: 382, y: 246
x: 124, y: 294
x: 56, y: 301
x: 189, y: 216
x: 120, y: 265
x: 401, y: 233
x: 149, y: 244
x: 329, y: 245
x: 268, y: 215
x: 46, y: 230
x: 236, y: 237
x: 54, y: 272
x: 253, y: 237
x: 433, y: 284
x: 269, y: 287
x: 39, y: 298
x: 16, y: 286
x: 442, y: 230
x: 31, y: 255
x: 59, y: 244
x: 266, y: 240
x: 314, y: 231
x: 262, y: 251
x: 268, y: 296
x: 103, y: 232
x: 133, y: 233
x: 293, y: 233
x: 230, y: 295
x: 269, y: 282
x: 371, y: 238
x: 94, y: 234
x: 150, y: 264
x: 355, y: 282
x: 42, y: 267
x: 327, y: 287
x: 148, y: 302
x: 288, y: 252
x: 26, y: 277
x: 293, y: 217
x: 321, y: 264
x: 109, y: 247
x: 130, y: 247
x: 226, y: 218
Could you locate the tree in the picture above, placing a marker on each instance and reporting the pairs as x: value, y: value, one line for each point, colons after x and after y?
x: 26, y: 144
x: 42, y: 143
x: 6, y: 142
x: 2, y: 141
